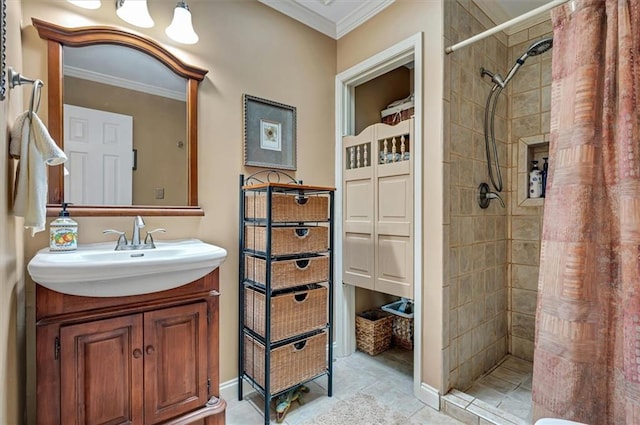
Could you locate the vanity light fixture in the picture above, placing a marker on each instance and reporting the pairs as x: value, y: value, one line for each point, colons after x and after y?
x: 86, y: 4
x: 181, y: 28
x: 134, y: 12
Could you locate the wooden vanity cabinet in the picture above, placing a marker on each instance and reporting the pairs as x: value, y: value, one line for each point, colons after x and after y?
x: 145, y: 359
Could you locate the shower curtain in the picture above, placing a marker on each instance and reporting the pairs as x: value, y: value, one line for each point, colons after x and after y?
x: 587, y: 350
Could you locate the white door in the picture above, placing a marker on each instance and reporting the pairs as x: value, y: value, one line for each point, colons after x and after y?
x: 99, y: 146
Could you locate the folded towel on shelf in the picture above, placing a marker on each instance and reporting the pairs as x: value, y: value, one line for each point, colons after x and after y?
x: 34, y: 147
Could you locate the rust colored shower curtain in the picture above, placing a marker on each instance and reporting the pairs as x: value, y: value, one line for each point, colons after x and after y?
x: 587, y: 350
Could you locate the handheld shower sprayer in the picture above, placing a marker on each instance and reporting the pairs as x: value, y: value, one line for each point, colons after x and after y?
x: 535, y: 49
x: 499, y: 83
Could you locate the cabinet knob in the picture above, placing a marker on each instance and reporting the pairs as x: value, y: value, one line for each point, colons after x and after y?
x: 137, y: 353
x: 150, y: 349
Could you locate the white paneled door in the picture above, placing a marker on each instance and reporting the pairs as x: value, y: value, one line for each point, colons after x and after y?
x: 99, y: 146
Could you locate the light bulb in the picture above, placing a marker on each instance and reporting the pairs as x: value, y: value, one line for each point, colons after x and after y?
x: 134, y: 12
x: 86, y: 4
x: 181, y: 28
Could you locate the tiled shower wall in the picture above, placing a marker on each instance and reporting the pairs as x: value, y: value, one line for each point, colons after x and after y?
x: 475, y: 291
x: 529, y: 105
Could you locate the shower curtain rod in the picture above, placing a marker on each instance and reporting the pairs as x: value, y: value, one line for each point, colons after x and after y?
x: 506, y: 24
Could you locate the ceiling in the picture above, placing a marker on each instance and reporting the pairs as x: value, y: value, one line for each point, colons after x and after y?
x: 336, y: 18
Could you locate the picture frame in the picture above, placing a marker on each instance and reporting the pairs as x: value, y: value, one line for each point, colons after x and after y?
x: 269, y: 133
x: 3, y: 47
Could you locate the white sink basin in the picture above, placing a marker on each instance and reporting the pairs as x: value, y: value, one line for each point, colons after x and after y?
x: 97, y: 270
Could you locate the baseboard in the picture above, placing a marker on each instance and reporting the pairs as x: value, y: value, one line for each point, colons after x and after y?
x: 428, y: 395
x: 229, y: 389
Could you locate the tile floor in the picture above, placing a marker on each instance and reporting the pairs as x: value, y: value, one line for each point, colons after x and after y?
x: 387, y: 377
x: 502, y: 396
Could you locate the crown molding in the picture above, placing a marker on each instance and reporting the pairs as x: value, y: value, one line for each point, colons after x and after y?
x: 359, y: 16
x: 297, y: 11
x: 300, y: 13
x: 98, y: 77
x: 497, y: 14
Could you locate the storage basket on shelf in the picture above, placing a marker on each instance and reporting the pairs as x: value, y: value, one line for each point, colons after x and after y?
x: 402, y: 334
x: 287, y: 207
x: 291, y: 364
x: 395, y: 114
x: 288, y: 240
x: 292, y: 313
x: 288, y: 273
x: 373, y: 331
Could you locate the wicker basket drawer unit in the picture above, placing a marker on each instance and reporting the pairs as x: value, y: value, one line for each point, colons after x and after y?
x: 287, y: 208
x: 287, y: 240
x: 292, y: 313
x: 288, y: 273
x: 290, y: 364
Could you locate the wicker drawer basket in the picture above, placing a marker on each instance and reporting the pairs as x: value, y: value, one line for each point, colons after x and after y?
x: 288, y: 273
x: 288, y: 240
x: 290, y: 364
x: 373, y: 331
x: 287, y: 208
x: 292, y: 313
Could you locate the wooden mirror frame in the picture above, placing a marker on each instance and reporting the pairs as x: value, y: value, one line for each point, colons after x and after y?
x: 57, y: 37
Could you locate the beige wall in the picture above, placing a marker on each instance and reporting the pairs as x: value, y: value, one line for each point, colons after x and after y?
x: 159, y: 123
x: 374, y: 96
x: 529, y: 106
x: 397, y: 22
x: 476, y: 286
x: 247, y: 48
x: 12, y: 312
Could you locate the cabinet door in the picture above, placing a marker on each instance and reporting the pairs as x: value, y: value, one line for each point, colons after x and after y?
x: 175, y: 366
x: 101, y: 369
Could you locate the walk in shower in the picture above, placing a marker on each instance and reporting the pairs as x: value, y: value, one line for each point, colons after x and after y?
x: 493, y: 254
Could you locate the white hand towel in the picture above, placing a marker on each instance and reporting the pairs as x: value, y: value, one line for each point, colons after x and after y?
x: 34, y: 147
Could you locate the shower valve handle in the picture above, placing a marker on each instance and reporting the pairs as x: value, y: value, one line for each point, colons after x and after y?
x: 485, y: 196
x: 493, y: 195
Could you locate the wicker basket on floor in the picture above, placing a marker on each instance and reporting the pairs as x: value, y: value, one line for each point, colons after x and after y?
x: 373, y: 331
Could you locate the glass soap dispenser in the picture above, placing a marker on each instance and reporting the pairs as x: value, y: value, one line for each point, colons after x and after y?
x: 63, y: 232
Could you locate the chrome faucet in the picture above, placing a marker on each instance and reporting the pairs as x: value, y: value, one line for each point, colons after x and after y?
x: 138, y: 223
x: 136, y: 242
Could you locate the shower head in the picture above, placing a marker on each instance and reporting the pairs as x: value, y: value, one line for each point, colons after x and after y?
x: 540, y: 46
x: 535, y: 49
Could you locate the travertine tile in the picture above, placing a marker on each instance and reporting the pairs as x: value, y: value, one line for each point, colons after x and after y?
x: 525, y: 252
x: 522, y: 348
x: 523, y: 326
x: 519, y: 37
x: 528, y: 77
x: 520, y: 365
x: 459, y: 413
x: 541, y: 29
x: 526, y: 228
x: 525, y: 277
x: 524, y: 301
x: 526, y: 103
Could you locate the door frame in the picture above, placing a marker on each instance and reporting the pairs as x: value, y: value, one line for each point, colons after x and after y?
x: 397, y: 55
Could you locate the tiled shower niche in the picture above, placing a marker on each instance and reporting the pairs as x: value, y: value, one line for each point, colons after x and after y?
x: 533, y: 148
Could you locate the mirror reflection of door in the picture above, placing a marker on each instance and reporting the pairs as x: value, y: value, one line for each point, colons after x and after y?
x: 99, y: 147
x: 126, y: 81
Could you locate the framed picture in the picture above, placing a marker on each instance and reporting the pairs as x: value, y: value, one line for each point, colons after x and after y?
x: 269, y: 133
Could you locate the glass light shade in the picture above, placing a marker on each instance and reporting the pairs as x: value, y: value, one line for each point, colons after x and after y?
x: 134, y: 12
x: 86, y: 4
x: 181, y: 28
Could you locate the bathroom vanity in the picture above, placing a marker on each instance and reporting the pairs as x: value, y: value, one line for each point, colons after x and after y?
x: 140, y: 359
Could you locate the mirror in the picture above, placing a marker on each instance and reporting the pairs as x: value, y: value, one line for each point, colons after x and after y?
x: 73, y: 70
